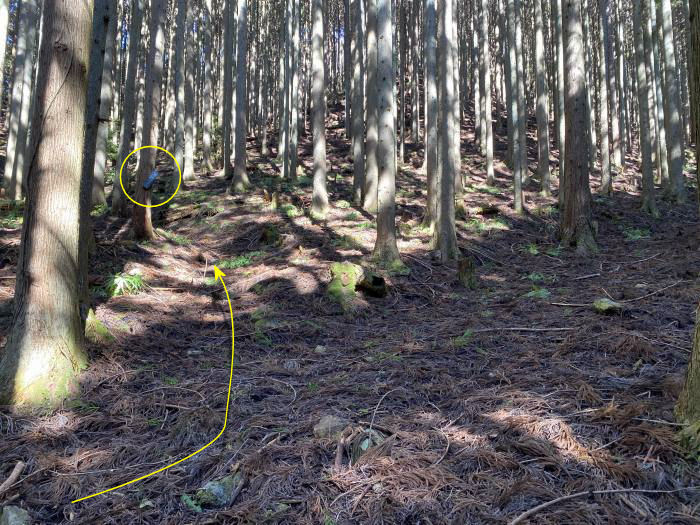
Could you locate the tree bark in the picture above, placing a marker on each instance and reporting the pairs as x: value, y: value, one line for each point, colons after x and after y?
x: 20, y: 103
x: 141, y: 219
x: 106, y: 99
x: 648, y: 202
x: 318, y: 111
x: 358, y: 101
x: 542, y: 104
x: 431, y: 115
x: 445, y: 237
x: 385, y: 248
x: 575, y: 227
x: 240, y: 177
x: 119, y: 200
x: 45, y: 351
x: 370, y: 187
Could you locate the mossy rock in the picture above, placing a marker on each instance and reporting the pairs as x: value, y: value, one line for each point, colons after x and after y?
x: 607, y: 306
x: 218, y: 493
x: 344, y: 279
x: 96, y: 331
x: 271, y: 235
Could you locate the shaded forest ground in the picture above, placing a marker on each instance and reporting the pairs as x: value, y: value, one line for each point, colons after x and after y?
x: 476, y: 420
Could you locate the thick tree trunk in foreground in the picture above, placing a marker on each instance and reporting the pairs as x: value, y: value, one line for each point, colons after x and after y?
x: 143, y: 229
x: 45, y: 351
x: 385, y: 248
x: 688, y: 408
x: 575, y: 227
x: 318, y: 111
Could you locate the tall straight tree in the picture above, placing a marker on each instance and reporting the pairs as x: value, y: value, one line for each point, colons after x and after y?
x: 575, y: 226
x: 318, y: 111
x: 45, y: 349
x: 369, y: 192
x: 603, y: 82
x: 240, y: 177
x: 514, y: 111
x: 358, y: 101
x: 20, y: 103
x: 227, y: 88
x: 431, y: 115
x: 640, y: 27
x: 4, y: 22
x: 542, y: 103
x: 558, y: 36
x: 189, y: 66
x: 106, y: 99
x: 385, y: 249
x: 141, y: 219
x: 445, y: 236
x: 119, y: 200
x: 179, y: 67
x: 672, y: 105
x: 485, y: 89
x: 694, y: 64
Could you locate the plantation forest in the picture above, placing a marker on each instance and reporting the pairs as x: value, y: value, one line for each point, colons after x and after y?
x: 349, y: 262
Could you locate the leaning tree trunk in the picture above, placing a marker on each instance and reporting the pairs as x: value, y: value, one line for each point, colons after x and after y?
x: 143, y: 229
x: 385, y: 248
x: 318, y: 111
x: 575, y: 227
x: 45, y: 352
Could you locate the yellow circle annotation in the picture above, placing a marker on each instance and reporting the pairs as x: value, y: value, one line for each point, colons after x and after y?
x: 179, y: 181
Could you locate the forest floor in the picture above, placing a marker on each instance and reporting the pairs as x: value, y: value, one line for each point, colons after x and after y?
x: 483, y: 403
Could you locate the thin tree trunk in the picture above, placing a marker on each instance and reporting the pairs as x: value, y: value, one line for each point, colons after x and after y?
x: 603, y: 82
x: 20, y: 104
x: 385, y: 248
x: 370, y: 187
x: 119, y: 200
x: 542, y: 104
x: 318, y: 111
x: 485, y: 84
x: 672, y: 106
x: 575, y: 227
x: 240, y: 176
x: 141, y: 219
x: 640, y: 28
x: 106, y: 98
x: 358, y: 96
x: 445, y: 237
x: 431, y: 115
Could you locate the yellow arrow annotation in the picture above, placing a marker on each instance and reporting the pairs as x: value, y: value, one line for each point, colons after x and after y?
x: 218, y: 274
